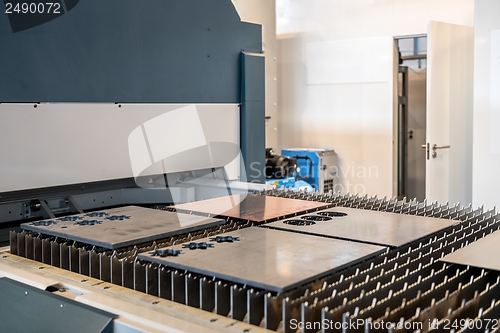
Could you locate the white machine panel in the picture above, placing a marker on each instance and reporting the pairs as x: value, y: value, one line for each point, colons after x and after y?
x: 52, y: 144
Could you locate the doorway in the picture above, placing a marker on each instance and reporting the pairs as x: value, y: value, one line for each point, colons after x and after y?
x: 412, y: 85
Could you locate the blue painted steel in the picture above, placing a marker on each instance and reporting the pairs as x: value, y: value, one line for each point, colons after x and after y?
x: 288, y: 182
x: 252, y: 117
x: 24, y: 308
x: 155, y: 51
x: 309, y: 162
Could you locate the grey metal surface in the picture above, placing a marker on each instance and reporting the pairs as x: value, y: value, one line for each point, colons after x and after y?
x: 27, y: 309
x: 143, y: 225
x: 269, y: 259
x: 482, y: 253
x: 366, y: 226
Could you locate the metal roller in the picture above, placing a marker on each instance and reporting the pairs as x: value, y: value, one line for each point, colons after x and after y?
x: 192, y: 288
x: 46, y: 252
x: 37, y: 249
x: 140, y: 276
x: 94, y: 265
x: 222, y: 298
x: 152, y: 279
x: 272, y: 311
x: 238, y: 302
x: 165, y: 283
x: 104, y: 267
x: 178, y: 287
x: 207, y: 294
x: 116, y: 272
x: 127, y: 271
x: 84, y: 261
x: 255, y: 307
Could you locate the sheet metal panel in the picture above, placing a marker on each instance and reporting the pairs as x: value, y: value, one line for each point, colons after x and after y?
x: 478, y: 253
x: 269, y: 259
x: 256, y: 208
x: 28, y: 309
x: 53, y: 161
x: 143, y: 225
x: 383, y: 228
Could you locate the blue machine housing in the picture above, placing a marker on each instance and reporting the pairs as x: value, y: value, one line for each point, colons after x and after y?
x: 318, y: 167
x: 287, y: 182
x: 290, y: 183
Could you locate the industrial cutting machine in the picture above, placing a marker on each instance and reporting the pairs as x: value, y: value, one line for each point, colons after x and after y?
x: 279, y: 260
x: 132, y: 195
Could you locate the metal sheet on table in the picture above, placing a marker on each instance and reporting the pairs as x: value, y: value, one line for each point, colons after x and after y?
x: 382, y: 228
x: 143, y: 225
x: 483, y: 253
x: 256, y: 208
x: 268, y: 259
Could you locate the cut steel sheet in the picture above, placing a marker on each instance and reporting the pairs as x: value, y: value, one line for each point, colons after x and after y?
x: 255, y: 208
x: 268, y: 259
x: 120, y: 227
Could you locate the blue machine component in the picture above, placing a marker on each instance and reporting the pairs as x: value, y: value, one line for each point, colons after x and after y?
x: 301, y: 185
x: 290, y: 183
x: 287, y: 182
x: 318, y: 167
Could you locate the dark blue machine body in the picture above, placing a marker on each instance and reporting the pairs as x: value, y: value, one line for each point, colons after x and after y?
x: 129, y: 51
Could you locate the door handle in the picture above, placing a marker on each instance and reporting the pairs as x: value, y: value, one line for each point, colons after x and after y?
x: 435, y: 146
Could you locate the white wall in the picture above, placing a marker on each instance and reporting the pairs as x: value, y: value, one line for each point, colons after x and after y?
x: 354, y: 118
x: 264, y: 12
x: 343, y: 19
x: 486, y: 144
